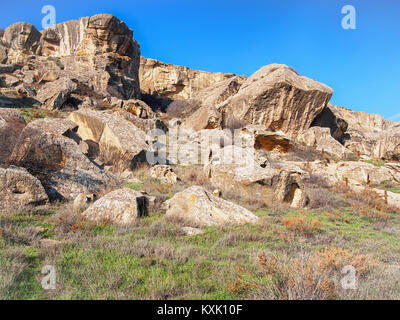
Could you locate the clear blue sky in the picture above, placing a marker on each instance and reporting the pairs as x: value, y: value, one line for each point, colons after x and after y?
x: 362, y: 66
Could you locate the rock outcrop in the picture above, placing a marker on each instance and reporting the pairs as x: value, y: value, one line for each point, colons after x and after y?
x: 235, y: 170
x: 122, y: 206
x: 171, y: 82
x: 120, y: 143
x: 369, y: 134
x: 19, y: 189
x: 57, y: 161
x: 95, y: 57
x: 202, y: 207
x: 279, y: 99
x: 358, y: 172
x: 321, y: 139
x: 208, y: 115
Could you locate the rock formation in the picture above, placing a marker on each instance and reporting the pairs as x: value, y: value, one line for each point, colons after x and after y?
x: 201, y: 207
x: 19, y: 189
x: 119, y: 142
x: 94, y: 57
x: 103, y: 102
x: 58, y: 161
x: 169, y: 82
x: 122, y: 206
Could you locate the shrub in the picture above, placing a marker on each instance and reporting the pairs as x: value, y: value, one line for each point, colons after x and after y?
x: 310, y: 277
x: 367, y: 203
x: 301, y: 224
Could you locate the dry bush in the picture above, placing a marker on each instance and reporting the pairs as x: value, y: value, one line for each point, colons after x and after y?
x: 161, y: 229
x: 367, y: 203
x: 235, y: 238
x: 183, y: 108
x: 181, y: 221
x: 69, y: 224
x: 13, y: 263
x: 302, y: 225
x: 310, y: 277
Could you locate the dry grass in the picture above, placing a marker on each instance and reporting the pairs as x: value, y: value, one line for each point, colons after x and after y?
x: 309, y: 277
x: 367, y: 203
x: 301, y: 224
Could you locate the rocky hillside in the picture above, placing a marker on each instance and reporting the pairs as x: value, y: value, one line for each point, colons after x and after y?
x: 83, y: 117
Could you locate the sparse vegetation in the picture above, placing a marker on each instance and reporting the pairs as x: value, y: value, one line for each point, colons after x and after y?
x: 304, y: 252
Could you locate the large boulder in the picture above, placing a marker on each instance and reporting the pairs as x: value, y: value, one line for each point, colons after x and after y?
x: 21, y: 38
x: 57, y: 161
x: 11, y: 125
x: 54, y: 95
x: 122, y: 206
x: 136, y: 107
x: 19, y: 189
x: 279, y: 99
x: 145, y: 125
x: 202, y: 207
x: 121, y: 144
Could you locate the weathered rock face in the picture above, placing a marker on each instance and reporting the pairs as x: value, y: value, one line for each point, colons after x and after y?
x: 328, y: 118
x: 358, y: 172
x: 54, y: 95
x: 22, y: 38
x: 234, y: 169
x: 361, y: 121
x: 18, y: 189
x: 321, y: 139
x: 3, y: 52
x: 122, y: 206
x: 97, y: 53
x: 369, y: 134
x: 11, y: 125
x: 145, y: 125
x: 164, y: 173
x: 208, y: 116
x: 136, y: 107
x: 203, y: 208
x: 171, y: 82
x: 278, y: 98
x: 57, y: 161
x: 121, y: 144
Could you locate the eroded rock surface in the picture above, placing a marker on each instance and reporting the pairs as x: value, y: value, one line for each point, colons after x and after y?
x: 122, y: 206
x: 203, y: 208
x: 120, y: 143
x: 19, y: 189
